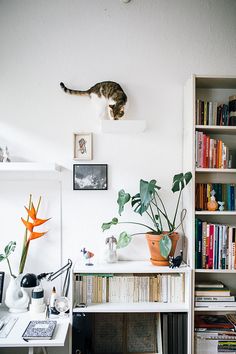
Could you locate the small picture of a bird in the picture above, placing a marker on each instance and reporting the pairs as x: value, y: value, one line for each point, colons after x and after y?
x: 176, y: 262
x: 87, y: 255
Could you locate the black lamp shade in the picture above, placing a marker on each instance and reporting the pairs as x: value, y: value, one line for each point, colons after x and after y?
x: 29, y: 280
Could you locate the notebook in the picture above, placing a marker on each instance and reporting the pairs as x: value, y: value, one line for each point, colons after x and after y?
x: 39, y: 330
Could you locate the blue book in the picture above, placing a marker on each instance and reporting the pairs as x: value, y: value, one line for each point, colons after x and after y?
x: 232, y: 197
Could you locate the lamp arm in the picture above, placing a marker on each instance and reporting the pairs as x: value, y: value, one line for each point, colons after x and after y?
x: 60, y: 271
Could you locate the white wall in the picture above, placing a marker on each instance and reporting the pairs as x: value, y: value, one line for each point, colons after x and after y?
x: 150, y: 47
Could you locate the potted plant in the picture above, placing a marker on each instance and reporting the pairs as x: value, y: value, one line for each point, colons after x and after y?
x: 162, y: 242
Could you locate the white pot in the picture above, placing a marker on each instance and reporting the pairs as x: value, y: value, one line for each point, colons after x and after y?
x: 16, y: 297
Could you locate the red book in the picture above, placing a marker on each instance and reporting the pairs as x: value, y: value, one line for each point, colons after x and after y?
x: 211, y: 246
x: 204, y: 150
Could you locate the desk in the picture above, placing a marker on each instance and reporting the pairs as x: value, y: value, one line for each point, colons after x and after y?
x: 14, y: 338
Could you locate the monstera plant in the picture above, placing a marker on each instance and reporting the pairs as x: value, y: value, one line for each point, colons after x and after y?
x: 161, y: 233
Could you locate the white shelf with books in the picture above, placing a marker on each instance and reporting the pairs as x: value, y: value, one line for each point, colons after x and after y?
x: 133, y: 307
x: 131, y: 286
x: 128, y: 287
x: 209, y: 151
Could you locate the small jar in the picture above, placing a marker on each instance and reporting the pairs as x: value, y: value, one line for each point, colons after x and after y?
x: 232, y: 110
x: 111, y: 250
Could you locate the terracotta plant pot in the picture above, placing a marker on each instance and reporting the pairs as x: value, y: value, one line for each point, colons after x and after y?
x: 154, y: 248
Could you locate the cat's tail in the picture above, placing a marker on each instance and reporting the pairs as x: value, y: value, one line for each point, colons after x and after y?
x: 74, y: 92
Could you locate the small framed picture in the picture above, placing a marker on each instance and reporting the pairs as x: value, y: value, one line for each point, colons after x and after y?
x: 90, y: 177
x: 83, y: 146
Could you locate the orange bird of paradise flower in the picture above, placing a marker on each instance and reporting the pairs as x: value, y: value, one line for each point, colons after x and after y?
x: 30, y: 234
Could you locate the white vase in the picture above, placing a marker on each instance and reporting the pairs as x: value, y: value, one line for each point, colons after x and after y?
x: 17, y: 299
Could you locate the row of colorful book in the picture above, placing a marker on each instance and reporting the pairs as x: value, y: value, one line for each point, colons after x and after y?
x: 224, y: 192
x: 211, y: 153
x: 215, y: 333
x: 213, y: 294
x: 210, y: 113
x: 214, y: 246
x: 128, y: 289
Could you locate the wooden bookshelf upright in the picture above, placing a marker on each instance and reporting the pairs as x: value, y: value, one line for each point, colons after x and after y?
x: 207, y: 88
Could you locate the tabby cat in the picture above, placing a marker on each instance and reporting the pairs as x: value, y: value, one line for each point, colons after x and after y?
x: 109, y: 90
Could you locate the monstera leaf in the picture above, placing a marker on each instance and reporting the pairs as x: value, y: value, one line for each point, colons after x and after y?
x: 107, y: 225
x: 142, y: 200
x: 165, y: 246
x: 124, y: 240
x: 123, y: 198
x: 180, y: 181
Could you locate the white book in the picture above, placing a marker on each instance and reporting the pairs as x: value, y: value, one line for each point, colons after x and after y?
x: 104, y: 290
x: 89, y: 288
x: 215, y: 304
x: 214, y: 113
x: 164, y: 287
x: 230, y: 235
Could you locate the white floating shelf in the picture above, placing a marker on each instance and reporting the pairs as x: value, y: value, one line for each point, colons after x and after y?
x: 28, y: 167
x: 214, y: 129
x: 207, y: 212
x: 127, y: 267
x: 134, y: 307
x: 216, y: 170
x: 123, y: 126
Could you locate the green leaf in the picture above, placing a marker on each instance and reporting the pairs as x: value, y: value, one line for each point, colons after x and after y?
x: 2, y: 257
x: 124, y: 240
x: 143, y: 199
x: 107, y: 225
x: 180, y: 181
x: 10, y: 248
x: 123, y: 198
x: 165, y: 246
x: 147, y: 190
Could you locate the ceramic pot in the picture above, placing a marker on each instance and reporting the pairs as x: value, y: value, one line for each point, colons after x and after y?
x: 154, y: 248
x: 16, y: 299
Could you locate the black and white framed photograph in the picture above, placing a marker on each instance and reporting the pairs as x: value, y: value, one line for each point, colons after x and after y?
x: 90, y: 177
x: 83, y: 146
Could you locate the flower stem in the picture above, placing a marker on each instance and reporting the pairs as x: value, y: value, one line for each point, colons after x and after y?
x: 8, y: 262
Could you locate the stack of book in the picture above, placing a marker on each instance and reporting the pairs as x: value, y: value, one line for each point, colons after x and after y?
x: 214, y: 246
x: 102, y: 288
x: 215, y: 334
x: 213, y: 294
x: 210, y: 113
x: 212, y: 153
x: 224, y: 192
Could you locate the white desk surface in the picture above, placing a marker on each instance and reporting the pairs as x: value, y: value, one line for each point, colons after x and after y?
x: 14, y: 338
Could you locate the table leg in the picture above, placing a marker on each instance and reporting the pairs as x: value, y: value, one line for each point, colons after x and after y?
x: 31, y: 350
x: 45, y: 350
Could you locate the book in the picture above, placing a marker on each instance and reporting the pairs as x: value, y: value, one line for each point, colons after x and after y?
x: 215, y: 304
x: 39, y: 330
x: 210, y: 284
x: 213, y: 322
x: 212, y: 292
x: 215, y: 298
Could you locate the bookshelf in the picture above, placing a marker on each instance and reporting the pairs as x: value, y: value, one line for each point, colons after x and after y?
x: 207, y: 89
x: 131, y: 269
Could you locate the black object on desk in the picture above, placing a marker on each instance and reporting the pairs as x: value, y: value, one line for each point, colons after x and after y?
x: 1, y: 285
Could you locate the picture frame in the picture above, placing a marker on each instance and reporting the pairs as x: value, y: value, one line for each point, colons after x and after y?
x: 90, y: 177
x: 83, y: 146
